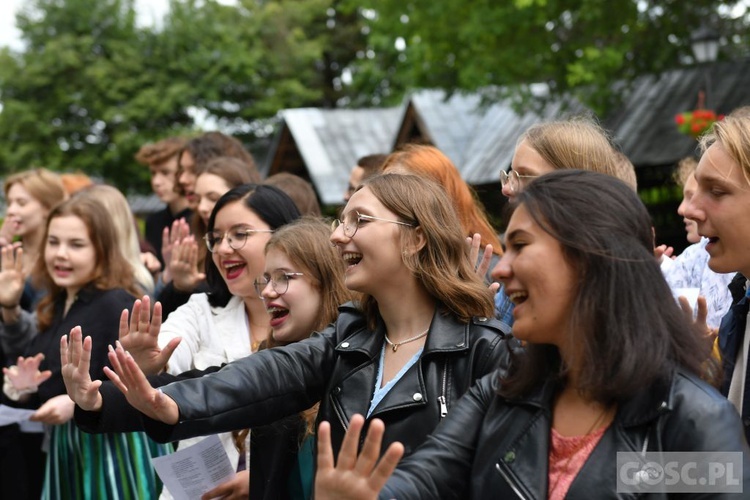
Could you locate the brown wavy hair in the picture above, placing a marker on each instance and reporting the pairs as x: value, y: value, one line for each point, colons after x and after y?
x: 441, y: 265
x: 430, y: 162
x: 112, y: 270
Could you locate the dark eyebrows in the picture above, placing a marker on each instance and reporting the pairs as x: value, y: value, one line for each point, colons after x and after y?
x: 515, y: 234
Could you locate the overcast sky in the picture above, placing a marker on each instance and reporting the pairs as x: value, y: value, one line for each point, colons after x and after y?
x: 148, y: 11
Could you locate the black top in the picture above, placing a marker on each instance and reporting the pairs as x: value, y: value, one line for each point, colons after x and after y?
x: 98, y: 314
x: 155, y: 224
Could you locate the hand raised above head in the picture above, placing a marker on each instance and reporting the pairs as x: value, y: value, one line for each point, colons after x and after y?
x: 128, y: 377
x: 75, y: 359
x: 170, y: 237
x: 354, y: 477
x: 140, y: 336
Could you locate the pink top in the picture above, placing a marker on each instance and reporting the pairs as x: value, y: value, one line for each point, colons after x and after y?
x: 567, y: 454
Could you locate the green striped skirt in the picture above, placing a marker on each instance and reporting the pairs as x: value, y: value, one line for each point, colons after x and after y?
x: 114, y: 466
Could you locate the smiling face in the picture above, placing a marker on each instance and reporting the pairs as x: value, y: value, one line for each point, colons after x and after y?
x: 208, y: 189
x: 720, y: 207
x: 527, y: 161
x: 69, y: 254
x: 373, y: 255
x: 539, y: 281
x: 295, y: 313
x: 25, y: 213
x: 691, y: 228
x: 187, y: 178
x: 240, y: 268
x: 163, y: 179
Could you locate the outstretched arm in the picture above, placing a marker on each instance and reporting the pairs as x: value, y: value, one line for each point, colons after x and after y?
x: 140, y: 336
x: 132, y: 382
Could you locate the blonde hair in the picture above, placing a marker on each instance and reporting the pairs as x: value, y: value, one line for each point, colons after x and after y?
x: 685, y: 169
x: 45, y: 186
x: 578, y: 143
x: 126, y: 231
x: 441, y: 265
x: 733, y: 133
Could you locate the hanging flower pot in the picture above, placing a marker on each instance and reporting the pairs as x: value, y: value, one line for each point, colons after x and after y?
x: 696, y: 123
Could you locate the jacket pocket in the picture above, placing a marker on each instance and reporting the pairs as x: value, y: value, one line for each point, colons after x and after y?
x: 510, y: 478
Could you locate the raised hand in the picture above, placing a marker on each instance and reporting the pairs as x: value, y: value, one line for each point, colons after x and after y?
x: 128, y: 377
x: 169, y: 238
x: 140, y: 336
x: 354, y: 477
x: 474, y: 243
x: 184, y: 265
x: 75, y: 358
x: 237, y: 488
x: 701, y: 313
x: 25, y: 375
x: 55, y: 411
x: 12, y: 277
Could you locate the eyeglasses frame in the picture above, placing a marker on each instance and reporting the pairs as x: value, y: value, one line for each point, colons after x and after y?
x: 261, y: 285
x: 338, y: 222
x: 247, y: 233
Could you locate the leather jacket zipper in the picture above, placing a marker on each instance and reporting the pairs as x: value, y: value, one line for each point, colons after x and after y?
x: 441, y: 400
x: 339, y: 413
x: 508, y: 476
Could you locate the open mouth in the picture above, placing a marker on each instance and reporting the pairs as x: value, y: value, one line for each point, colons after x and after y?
x: 277, y: 314
x: 234, y: 269
x: 518, y: 297
x: 351, y: 258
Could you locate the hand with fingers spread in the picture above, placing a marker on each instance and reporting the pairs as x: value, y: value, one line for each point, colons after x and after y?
x: 184, y: 265
x: 75, y: 359
x: 237, y: 488
x: 140, y: 336
x: 12, y: 277
x: 128, y: 377
x: 474, y: 243
x: 54, y: 411
x: 25, y: 376
x: 354, y: 477
x: 170, y: 237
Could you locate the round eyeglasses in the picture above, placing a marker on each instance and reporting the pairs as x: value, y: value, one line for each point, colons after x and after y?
x: 236, y: 238
x: 350, y: 224
x: 279, y: 282
x: 514, y: 180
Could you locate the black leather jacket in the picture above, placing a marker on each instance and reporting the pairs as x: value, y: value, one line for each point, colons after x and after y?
x: 338, y: 367
x: 490, y: 447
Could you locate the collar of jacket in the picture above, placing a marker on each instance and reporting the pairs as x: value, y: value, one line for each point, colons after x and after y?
x: 643, y: 407
x: 446, y: 334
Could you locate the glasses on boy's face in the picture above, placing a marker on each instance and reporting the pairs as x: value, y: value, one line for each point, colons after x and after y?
x: 279, y: 282
x: 514, y: 180
x: 236, y: 238
x: 352, y: 222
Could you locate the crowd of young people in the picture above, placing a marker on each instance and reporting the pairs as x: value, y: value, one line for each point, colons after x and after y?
x: 279, y: 333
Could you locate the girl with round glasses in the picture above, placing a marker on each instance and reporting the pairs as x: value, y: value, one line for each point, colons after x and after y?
x: 230, y: 321
x: 417, y: 337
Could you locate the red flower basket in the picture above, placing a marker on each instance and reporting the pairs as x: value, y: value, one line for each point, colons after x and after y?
x: 696, y: 123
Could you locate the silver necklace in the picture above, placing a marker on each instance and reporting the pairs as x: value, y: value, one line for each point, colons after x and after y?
x: 395, y: 345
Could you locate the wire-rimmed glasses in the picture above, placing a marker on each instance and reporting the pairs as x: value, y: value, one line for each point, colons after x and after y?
x: 279, y: 282
x: 236, y: 237
x: 350, y: 225
x: 514, y: 180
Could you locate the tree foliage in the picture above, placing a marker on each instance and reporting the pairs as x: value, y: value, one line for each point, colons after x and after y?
x: 578, y: 47
x: 91, y: 86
